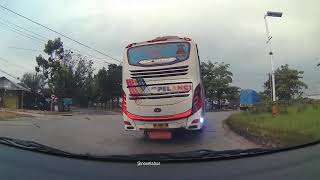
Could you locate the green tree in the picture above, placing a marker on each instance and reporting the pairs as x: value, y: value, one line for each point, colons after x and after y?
x: 217, y: 79
x: 288, y: 83
x: 115, y: 80
x: 83, y: 79
x: 107, y: 86
x: 52, y: 69
x: 267, y: 86
x: 101, y: 87
x: 71, y: 75
x: 264, y: 97
x: 67, y: 74
x: 233, y: 94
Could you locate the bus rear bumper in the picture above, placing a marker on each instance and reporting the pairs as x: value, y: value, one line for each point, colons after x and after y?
x: 193, y: 122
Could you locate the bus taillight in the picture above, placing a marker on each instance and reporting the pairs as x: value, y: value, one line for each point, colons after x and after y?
x: 124, y: 102
x: 197, y: 99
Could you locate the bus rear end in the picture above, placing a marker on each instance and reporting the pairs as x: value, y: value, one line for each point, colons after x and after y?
x: 162, y: 88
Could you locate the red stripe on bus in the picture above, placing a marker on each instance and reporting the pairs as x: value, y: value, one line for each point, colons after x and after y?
x: 162, y: 118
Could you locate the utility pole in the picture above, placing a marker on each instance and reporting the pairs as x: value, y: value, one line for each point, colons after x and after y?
x: 271, y: 14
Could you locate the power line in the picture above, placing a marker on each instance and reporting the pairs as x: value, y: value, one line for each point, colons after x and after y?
x: 78, y: 42
x: 25, y: 49
x: 9, y: 74
x: 8, y: 22
x: 101, y: 60
x: 42, y: 39
x: 86, y: 55
x: 5, y: 60
x: 35, y: 39
x: 15, y: 29
x: 20, y: 33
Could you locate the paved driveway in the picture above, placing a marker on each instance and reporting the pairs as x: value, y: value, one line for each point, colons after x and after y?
x: 102, y: 133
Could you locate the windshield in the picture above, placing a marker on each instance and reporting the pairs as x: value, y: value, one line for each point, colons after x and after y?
x: 163, y: 53
x: 111, y: 77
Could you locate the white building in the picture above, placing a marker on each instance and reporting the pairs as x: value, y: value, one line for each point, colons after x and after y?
x: 314, y: 96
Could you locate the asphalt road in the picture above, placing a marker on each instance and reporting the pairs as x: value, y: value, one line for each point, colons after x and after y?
x: 102, y: 133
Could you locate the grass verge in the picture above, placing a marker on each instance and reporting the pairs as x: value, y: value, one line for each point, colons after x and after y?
x: 11, y: 115
x: 55, y: 113
x: 297, y: 126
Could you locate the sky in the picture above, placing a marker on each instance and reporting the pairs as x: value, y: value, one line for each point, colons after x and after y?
x: 225, y: 30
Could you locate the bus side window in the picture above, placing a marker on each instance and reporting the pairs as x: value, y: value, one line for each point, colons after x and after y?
x: 202, y: 89
x: 198, y: 54
x: 199, y: 62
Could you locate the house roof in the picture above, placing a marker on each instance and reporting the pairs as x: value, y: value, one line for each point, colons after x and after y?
x: 6, y: 84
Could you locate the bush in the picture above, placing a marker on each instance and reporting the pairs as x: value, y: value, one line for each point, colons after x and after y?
x: 302, y: 107
x: 262, y: 107
x: 315, y: 104
x: 283, y: 108
x: 296, y: 106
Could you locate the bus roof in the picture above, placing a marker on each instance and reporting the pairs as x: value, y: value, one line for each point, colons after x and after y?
x: 160, y: 39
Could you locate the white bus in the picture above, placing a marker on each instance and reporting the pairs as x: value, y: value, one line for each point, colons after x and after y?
x: 162, y: 87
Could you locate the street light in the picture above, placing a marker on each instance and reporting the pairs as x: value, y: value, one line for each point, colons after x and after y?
x: 274, y: 14
x: 271, y: 14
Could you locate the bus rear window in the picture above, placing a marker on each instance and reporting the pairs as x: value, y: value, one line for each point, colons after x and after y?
x: 159, y: 54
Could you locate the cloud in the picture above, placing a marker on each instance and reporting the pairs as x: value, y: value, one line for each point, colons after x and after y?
x: 231, y: 31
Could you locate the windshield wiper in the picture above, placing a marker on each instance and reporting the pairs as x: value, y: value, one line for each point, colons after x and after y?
x: 33, y: 146
x: 203, y: 154
x: 161, y: 157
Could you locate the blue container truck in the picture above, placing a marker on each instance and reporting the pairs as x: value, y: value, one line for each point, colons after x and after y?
x: 248, y: 98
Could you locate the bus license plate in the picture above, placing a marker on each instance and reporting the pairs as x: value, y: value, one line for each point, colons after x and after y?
x: 161, y: 125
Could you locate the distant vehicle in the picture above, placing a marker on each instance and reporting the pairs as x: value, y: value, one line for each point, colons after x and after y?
x: 248, y: 98
x: 162, y: 87
x: 37, y: 102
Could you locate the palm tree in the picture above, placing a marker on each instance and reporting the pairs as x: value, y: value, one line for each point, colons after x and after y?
x: 34, y: 82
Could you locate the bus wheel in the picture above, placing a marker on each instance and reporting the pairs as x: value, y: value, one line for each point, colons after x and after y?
x: 204, y: 126
x: 199, y: 131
